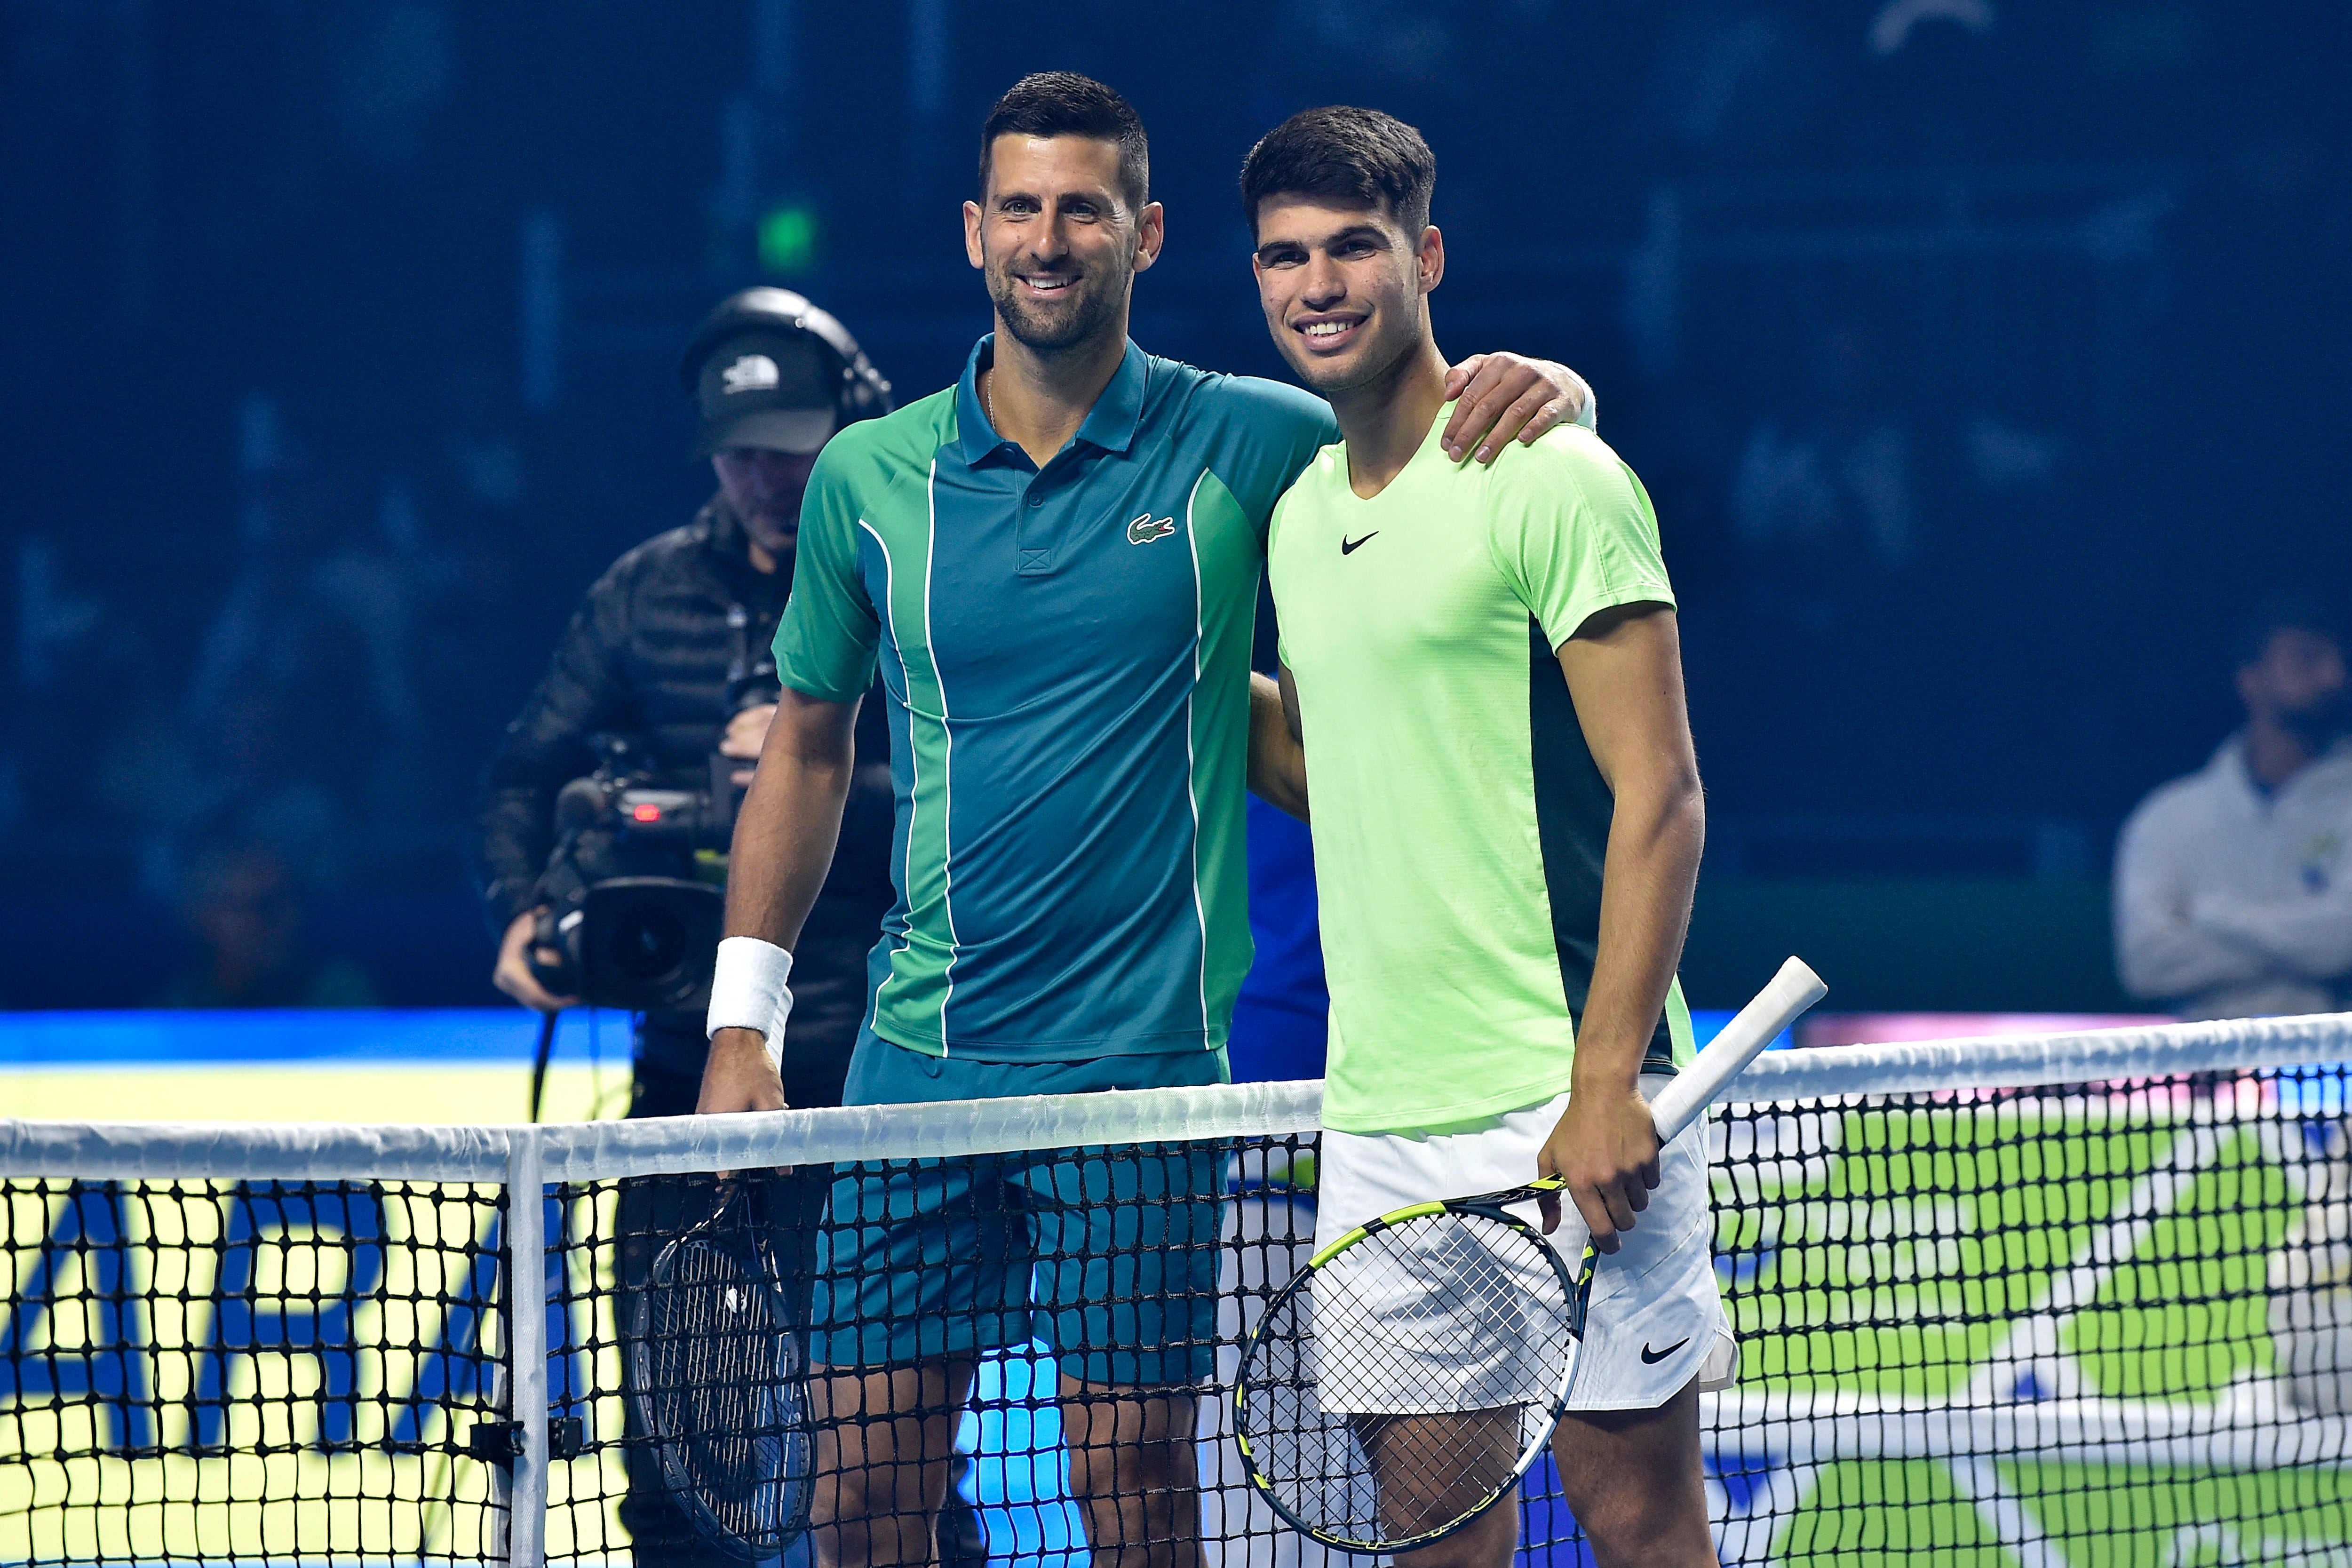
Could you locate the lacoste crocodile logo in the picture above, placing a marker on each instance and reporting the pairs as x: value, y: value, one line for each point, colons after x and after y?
x: 1143, y: 530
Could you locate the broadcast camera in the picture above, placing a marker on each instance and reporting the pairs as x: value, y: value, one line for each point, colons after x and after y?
x: 632, y: 897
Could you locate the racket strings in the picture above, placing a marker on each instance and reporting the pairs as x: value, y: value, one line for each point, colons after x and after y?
x: 722, y: 1392
x: 1408, y: 1382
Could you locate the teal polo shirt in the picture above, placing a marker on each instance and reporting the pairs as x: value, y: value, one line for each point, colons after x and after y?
x: 1066, y: 653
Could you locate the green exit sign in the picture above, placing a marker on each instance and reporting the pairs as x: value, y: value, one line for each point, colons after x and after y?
x: 787, y: 239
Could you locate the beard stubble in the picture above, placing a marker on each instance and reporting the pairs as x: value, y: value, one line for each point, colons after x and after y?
x: 1053, y: 332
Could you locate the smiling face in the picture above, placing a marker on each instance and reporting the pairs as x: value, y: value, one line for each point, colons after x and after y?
x: 1057, y: 240
x: 1345, y: 289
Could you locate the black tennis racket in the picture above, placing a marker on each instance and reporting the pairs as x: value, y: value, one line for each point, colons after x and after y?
x: 716, y: 1376
x: 1405, y: 1380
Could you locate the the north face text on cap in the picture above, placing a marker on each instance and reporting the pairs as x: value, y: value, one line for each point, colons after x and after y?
x: 750, y: 372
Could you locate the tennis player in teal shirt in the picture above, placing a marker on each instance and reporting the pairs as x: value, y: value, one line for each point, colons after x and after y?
x: 1055, y: 566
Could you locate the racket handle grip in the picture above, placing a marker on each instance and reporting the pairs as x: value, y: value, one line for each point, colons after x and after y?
x: 1699, y: 1085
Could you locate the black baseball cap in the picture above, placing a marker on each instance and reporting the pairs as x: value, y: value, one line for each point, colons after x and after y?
x: 766, y: 388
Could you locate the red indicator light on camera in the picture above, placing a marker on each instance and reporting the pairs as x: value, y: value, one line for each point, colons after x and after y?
x: 646, y: 813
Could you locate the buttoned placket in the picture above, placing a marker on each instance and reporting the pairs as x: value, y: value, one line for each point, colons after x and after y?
x: 1108, y: 431
x: 1033, y: 530
x: 1034, y: 544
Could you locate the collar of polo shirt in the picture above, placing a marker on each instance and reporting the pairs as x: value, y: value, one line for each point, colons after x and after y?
x: 1109, y: 425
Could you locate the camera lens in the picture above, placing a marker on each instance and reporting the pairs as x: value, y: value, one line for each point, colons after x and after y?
x: 648, y: 942
x: 648, y: 950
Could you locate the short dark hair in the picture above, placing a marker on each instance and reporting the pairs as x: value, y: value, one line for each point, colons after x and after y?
x: 1355, y: 155
x: 2291, y: 612
x: 1064, y: 103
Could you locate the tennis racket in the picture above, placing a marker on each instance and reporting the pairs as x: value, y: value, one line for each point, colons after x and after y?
x: 716, y: 1378
x: 1403, y: 1381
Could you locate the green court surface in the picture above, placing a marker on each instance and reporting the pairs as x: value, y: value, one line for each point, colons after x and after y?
x: 2086, y: 1517
x: 2021, y: 1332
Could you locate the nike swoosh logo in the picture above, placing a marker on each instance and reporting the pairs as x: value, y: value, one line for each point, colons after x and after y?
x: 1348, y: 545
x: 1652, y: 1358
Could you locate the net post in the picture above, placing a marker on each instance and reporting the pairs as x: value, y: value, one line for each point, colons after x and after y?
x: 526, y: 1347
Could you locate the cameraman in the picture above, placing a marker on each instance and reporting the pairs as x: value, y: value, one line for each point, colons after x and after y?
x: 670, y: 639
x: 670, y: 654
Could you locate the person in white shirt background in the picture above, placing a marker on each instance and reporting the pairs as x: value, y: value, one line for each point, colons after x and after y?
x: 2233, y: 885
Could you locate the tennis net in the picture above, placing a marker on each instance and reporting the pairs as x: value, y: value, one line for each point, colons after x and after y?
x: 2068, y: 1300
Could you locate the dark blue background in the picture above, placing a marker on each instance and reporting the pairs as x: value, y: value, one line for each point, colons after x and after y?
x: 2079, y: 269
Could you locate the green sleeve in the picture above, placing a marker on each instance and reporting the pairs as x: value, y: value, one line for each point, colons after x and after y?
x: 1266, y: 434
x: 1572, y: 532
x: 825, y: 645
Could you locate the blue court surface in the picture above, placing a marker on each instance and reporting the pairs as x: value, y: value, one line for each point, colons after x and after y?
x: 421, y: 1039
x: 468, y: 1064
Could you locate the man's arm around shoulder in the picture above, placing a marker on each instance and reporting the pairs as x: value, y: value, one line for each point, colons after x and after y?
x: 784, y: 838
x: 1278, y: 754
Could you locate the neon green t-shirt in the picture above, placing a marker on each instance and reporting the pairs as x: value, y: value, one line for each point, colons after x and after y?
x: 1460, y: 822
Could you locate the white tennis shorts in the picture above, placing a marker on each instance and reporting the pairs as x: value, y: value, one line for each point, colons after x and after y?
x: 1655, y: 1322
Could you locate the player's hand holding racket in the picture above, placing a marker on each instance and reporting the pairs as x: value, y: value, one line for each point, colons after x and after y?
x: 1403, y: 1381
x: 1604, y: 1153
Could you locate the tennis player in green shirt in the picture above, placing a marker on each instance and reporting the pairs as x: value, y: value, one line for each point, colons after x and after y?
x: 1482, y: 678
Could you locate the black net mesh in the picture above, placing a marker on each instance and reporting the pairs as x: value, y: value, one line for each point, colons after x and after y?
x: 2104, y: 1324
x: 941, y: 1302
x: 2109, y: 1323
x: 257, y: 1372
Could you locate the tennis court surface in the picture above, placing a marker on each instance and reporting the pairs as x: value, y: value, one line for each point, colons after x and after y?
x: 2066, y: 1300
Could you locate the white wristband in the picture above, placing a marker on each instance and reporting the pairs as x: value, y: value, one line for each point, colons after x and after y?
x: 747, y: 991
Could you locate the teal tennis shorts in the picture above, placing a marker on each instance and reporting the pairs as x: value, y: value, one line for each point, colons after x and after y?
x: 1107, y: 1254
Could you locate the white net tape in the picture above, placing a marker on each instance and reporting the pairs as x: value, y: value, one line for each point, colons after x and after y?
x: 326, y: 1151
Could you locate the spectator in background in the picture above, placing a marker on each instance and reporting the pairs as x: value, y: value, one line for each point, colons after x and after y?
x: 2234, y: 888
x: 321, y: 618
x: 241, y: 910
x: 302, y: 727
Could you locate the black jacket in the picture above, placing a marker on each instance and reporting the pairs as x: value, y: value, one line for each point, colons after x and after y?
x: 648, y: 657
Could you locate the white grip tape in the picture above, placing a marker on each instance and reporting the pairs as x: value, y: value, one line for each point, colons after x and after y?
x: 747, y: 991
x: 1795, y: 988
